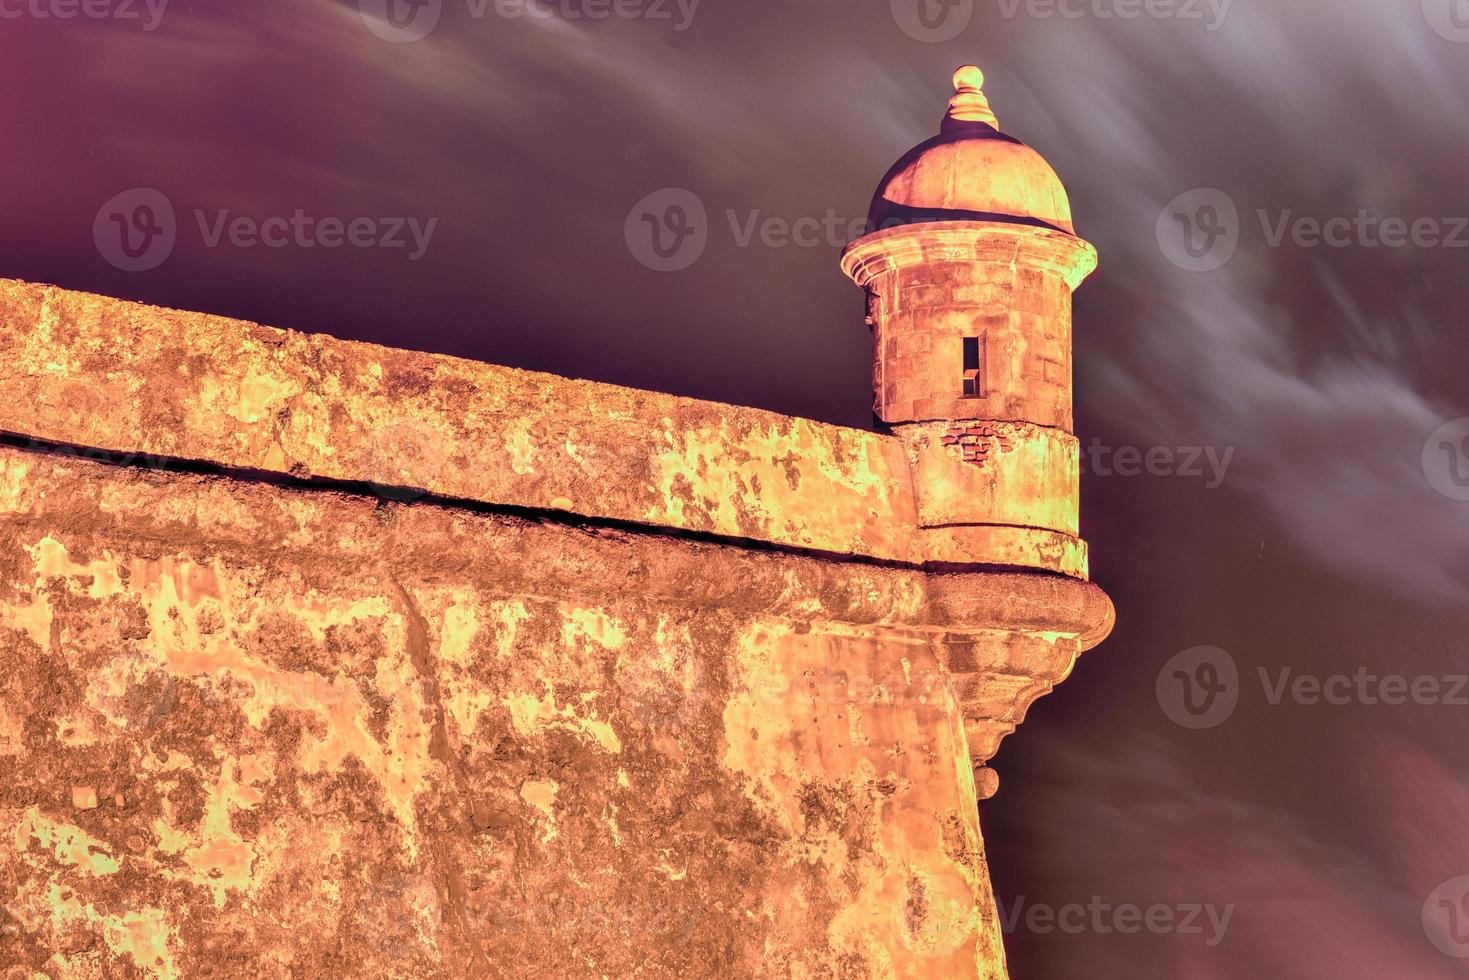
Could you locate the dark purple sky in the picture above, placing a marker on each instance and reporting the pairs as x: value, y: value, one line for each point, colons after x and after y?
x: 1325, y: 369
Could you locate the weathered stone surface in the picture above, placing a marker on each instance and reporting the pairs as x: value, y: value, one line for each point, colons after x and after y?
x: 1008, y: 286
x: 1017, y: 475
x: 333, y: 736
x: 131, y: 378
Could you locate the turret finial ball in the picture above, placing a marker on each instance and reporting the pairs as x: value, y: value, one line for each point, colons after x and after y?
x: 968, y: 79
x: 969, y: 104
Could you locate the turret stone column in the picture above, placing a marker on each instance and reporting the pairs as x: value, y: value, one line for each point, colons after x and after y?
x: 969, y: 275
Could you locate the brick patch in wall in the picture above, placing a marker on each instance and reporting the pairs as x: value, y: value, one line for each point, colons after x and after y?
x: 976, y: 442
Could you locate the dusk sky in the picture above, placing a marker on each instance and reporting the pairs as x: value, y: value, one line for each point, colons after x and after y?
x: 1272, y: 411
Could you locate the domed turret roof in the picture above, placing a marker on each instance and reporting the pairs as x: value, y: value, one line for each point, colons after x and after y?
x: 971, y: 172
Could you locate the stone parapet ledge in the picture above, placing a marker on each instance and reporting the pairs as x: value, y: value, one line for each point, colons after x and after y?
x: 1007, y: 548
x: 41, y: 491
x: 87, y: 370
x: 83, y: 370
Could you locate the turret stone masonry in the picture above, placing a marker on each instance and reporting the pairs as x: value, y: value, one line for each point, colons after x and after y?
x: 323, y: 659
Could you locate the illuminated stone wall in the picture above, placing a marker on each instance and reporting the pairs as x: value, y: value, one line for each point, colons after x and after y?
x: 321, y: 659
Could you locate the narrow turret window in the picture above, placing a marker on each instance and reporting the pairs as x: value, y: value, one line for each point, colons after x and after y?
x: 973, y: 368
